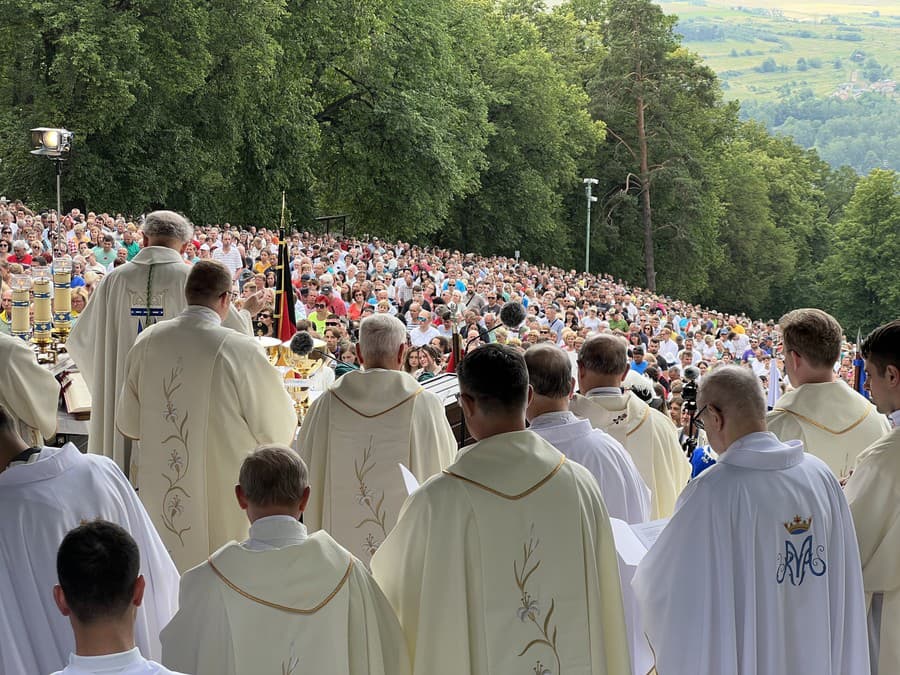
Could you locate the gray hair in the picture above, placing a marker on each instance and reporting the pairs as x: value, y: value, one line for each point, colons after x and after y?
x: 549, y: 371
x: 167, y: 225
x: 380, y: 337
x: 20, y: 243
x: 734, y: 389
x: 273, y: 475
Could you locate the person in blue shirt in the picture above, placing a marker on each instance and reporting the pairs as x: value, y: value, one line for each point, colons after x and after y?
x: 637, y: 362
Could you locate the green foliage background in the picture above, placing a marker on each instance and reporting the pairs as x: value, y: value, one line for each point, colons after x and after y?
x: 468, y: 123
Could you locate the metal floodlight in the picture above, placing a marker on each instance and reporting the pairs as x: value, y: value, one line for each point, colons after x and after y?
x: 49, y: 142
x: 590, y: 181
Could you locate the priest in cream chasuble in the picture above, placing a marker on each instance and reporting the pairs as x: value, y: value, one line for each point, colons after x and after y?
x: 359, y: 430
x: 27, y: 390
x: 282, y: 601
x: 504, y: 563
x: 647, y: 434
x: 199, y: 397
x: 147, y: 290
x: 874, y: 495
x: 834, y: 422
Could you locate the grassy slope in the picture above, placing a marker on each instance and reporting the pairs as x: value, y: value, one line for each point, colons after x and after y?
x: 881, y: 39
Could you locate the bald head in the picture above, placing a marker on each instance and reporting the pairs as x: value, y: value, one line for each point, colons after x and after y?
x: 549, y: 371
x: 604, y: 355
x: 735, y: 391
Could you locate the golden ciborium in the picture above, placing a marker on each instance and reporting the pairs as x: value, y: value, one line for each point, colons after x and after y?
x: 272, y: 346
x: 299, y: 368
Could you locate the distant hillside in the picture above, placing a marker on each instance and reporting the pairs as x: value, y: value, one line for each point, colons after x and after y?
x: 824, y: 73
x: 764, y: 49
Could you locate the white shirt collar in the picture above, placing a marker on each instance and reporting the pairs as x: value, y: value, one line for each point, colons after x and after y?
x: 895, y: 418
x: 604, y: 391
x: 553, y: 419
x: 275, y: 532
x: 108, y: 663
x: 202, y: 313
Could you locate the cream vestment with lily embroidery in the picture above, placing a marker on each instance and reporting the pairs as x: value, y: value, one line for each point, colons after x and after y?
x: 352, y: 440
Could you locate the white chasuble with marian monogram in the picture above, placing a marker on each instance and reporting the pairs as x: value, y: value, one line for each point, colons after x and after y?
x: 758, y: 571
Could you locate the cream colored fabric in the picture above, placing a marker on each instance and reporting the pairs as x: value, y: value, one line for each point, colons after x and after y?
x: 874, y: 495
x: 650, y: 438
x: 226, y: 627
x: 109, y: 325
x: 834, y: 422
x: 28, y: 391
x: 505, y: 564
x: 352, y: 440
x: 199, y: 397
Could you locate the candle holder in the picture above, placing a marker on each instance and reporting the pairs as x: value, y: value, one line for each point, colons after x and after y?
x: 42, y: 336
x: 62, y: 301
x: 21, y: 301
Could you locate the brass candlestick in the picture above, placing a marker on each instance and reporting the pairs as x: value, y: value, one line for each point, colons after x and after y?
x: 43, y: 315
x: 62, y: 300
x: 21, y: 302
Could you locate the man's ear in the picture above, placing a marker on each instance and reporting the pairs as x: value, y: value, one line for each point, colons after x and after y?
x: 304, y: 500
x: 139, y: 585
x: 60, y: 599
x: 241, y: 497
x: 572, y: 385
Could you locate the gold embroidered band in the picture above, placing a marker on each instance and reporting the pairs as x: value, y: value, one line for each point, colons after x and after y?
x: 506, y: 496
x: 383, y: 412
x: 818, y: 425
x: 283, y: 608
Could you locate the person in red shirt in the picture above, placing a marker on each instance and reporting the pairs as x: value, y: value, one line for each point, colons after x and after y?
x: 20, y: 253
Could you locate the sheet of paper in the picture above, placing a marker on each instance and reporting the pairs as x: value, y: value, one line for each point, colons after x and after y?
x: 628, y: 546
x: 648, y: 533
x: 409, y: 480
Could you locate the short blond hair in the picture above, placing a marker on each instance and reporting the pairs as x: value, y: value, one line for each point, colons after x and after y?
x: 814, y: 334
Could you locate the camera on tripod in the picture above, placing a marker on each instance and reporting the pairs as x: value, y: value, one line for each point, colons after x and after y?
x: 689, y: 396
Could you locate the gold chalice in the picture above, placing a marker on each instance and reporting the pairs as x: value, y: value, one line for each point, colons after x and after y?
x: 303, y: 367
x: 273, y: 349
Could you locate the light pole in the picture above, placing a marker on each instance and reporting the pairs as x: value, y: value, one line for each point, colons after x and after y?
x: 589, y: 183
x: 53, y: 144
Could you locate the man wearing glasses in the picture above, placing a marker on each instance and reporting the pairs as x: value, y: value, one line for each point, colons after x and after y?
x: 424, y: 332
x: 197, y: 395
x: 761, y: 549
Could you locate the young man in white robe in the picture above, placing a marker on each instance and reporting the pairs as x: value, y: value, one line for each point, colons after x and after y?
x: 282, y: 601
x: 360, y: 429
x: 28, y: 391
x: 100, y: 590
x: 648, y: 435
x: 626, y: 495
x: 140, y: 293
x: 833, y: 421
x: 504, y: 563
x: 44, y: 493
x: 874, y: 495
x: 197, y: 395
x: 758, y: 570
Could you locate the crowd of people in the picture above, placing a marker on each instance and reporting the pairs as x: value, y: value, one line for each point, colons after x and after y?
x: 593, y: 400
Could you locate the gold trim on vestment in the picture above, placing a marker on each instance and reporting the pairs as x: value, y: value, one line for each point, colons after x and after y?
x: 643, y: 419
x: 822, y: 426
x: 290, y: 610
x: 506, y: 496
x: 393, y: 407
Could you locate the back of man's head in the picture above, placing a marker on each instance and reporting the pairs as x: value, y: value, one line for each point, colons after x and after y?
x: 735, y: 391
x: 814, y: 334
x: 98, y: 565
x: 882, y: 347
x: 549, y: 371
x: 604, y: 355
x: 496, y: 377
x: 207, y: 281
x: 166, y: 228
x: 273, y: 475
x: 380, y: 338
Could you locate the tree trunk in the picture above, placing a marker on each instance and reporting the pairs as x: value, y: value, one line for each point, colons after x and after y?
x: 646, y: 213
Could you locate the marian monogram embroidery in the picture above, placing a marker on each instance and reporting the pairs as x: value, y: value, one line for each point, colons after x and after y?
x: 794, y: 564
x: 530, y: 610
x: 176, y: 497
x: 620, y: 418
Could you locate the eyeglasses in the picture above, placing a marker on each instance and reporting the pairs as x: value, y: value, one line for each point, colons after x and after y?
x: 421, y: 319
x: 265, y: 316
x: 320, y: 306
x: 697, y: 421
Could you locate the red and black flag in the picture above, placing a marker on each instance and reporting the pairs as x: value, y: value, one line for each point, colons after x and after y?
x: 285, y: 320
